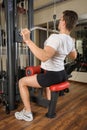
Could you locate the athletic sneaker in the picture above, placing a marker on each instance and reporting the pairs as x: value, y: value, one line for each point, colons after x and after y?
x: 23, y: 115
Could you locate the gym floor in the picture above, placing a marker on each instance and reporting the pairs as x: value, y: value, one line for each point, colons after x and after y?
x: 71, y: 113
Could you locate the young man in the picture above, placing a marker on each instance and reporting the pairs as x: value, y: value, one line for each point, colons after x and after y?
x: 52, y: 57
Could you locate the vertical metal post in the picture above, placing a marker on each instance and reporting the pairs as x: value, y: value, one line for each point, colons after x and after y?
x: 30, y: 25
x: 10, y: 53
x: 16, y: 44
x: 0, y: 50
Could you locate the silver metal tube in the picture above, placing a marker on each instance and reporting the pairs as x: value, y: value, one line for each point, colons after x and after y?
x: 41, y: 28
x: 45, y: 29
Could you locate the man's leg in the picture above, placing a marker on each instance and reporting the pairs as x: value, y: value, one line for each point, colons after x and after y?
x: 48, y: 93
x: 24, y: 83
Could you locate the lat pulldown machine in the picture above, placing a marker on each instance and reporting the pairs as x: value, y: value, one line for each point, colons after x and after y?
x: 12, y: 38
x: 11, y: 96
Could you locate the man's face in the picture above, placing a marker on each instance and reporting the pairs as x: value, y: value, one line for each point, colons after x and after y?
x: 61, y: 23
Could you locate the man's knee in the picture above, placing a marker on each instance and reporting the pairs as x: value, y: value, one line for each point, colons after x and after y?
x: 20, y: 82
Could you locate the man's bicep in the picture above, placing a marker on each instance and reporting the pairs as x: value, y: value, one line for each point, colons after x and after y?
x: 50, y: 52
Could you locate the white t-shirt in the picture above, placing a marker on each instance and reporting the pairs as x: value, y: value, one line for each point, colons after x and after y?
x: 63, y: 44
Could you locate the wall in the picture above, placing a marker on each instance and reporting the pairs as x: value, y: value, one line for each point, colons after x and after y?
x: 46, y: 14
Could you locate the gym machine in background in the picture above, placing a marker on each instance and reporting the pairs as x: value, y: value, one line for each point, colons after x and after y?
x: 81, y: 46
x: 11, y: 95
x: 3, y: 60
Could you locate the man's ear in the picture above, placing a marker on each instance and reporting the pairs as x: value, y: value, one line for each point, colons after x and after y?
x: 64, y: 23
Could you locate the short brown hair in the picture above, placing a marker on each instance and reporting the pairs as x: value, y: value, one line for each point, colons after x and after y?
x: 71, y: 18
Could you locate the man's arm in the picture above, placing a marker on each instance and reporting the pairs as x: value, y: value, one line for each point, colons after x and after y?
x: 73, y: 55
x: 41, y: 54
